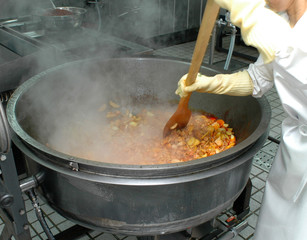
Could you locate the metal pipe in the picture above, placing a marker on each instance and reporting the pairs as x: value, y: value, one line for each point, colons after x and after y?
x: 225, y: 23
x: 39, y: 214
x: 99, y: 15
x: 5, y: 138
x: 31, y: 182
x: 234, y: 231
x: 274, y: 140
x: 231, y: 46
x: 212, y: 46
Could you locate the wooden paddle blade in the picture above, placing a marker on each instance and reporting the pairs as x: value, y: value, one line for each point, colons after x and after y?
x: 182, y: 115
x: 180, y: 118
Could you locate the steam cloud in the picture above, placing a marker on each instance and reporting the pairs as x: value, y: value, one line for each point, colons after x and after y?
x: 63, y: 110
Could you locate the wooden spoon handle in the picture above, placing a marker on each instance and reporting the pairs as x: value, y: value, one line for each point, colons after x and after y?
x: 206, y: 27
x: 182, y: 115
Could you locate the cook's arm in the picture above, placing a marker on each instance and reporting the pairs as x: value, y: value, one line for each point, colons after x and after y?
x: 260, y: 26
x: 256, y: 81
x: 235, y: 84
x: 262, y: 76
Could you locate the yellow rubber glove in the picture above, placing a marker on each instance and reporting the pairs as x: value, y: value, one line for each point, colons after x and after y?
x: 260, y: 26
x: 235, y: 84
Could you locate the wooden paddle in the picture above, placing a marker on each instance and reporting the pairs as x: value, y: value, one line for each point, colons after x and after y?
x: 182, y: 115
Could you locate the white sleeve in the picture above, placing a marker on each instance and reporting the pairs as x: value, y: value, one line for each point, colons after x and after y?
x: 262, y: 76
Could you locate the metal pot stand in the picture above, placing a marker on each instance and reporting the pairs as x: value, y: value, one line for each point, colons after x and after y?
x: 16, y: 223
x: 12, y: 208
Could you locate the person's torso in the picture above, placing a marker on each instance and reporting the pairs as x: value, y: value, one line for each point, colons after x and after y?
x: 290, y: 72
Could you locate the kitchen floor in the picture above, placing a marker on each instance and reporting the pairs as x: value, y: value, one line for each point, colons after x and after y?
x: 261, y: 163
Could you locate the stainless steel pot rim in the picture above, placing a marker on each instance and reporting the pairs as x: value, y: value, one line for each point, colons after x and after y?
x: 242, y: 146
x: 136, y: 178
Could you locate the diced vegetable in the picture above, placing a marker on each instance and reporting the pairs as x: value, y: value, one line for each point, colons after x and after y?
x: 113, y: 104
x: 133, y: 139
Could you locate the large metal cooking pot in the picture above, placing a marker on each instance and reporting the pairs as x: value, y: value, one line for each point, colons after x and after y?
x: 133, y: 199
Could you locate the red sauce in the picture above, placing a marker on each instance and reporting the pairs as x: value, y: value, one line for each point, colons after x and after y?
x: 58, y: 12
x: 125, y: 138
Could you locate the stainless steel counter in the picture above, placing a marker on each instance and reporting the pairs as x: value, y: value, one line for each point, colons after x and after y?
x: 27, y: 49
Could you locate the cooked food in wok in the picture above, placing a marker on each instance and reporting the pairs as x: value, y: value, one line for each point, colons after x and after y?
x: 136, y: 138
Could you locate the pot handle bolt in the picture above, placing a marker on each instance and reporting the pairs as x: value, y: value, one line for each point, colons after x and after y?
x: 26, y: 227
x: 2, y: 158
x: 6, y: 200
x: 74, y: 166
x: 22, y: 212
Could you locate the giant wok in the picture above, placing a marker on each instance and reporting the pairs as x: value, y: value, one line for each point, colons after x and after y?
x: 122, y: 198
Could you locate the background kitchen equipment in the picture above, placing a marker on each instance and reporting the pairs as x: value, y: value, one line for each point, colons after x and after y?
x: 62, y: 18
x: 52, y: 3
